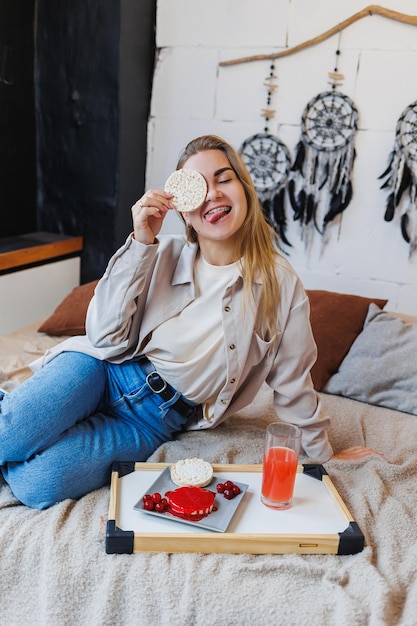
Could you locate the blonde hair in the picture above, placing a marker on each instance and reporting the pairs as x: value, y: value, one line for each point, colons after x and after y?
x: 255, y: 242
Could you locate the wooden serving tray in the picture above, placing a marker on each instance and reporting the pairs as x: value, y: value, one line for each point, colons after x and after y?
x: 318, y: 521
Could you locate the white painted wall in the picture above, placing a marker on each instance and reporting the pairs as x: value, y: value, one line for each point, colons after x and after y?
x: 33, y: 294
x: 192, y: 95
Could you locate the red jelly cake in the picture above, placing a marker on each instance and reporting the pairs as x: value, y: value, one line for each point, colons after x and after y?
x: 190, y: 502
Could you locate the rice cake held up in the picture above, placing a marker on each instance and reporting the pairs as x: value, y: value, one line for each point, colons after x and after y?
x: 189, y: 189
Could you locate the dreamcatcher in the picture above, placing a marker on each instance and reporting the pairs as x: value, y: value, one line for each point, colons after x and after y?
x: 401, y: 175
x: 268, y: 161
x: 320, y: 187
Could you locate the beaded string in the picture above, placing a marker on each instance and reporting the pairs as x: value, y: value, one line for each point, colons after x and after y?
x: 271, y: 84
x: 336, y: 77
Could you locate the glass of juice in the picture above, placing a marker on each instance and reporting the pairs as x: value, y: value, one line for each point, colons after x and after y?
x: 282, y: 448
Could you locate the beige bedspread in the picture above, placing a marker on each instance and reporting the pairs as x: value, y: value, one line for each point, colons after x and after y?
x: 54, y: 569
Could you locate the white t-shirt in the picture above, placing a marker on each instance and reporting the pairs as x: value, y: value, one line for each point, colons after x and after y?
x: 188, y: 350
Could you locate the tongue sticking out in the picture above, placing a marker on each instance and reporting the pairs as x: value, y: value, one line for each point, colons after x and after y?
x: 215, y: 216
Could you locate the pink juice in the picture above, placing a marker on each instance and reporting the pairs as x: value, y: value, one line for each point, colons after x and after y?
x: 279, y: 470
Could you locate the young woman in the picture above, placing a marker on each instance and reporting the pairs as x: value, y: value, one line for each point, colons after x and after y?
x: 181, y: 334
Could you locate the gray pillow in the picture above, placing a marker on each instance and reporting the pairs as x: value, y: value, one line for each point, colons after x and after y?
x: 381, y: 365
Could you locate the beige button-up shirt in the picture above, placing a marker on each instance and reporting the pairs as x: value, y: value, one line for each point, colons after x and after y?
x: 143, y: 286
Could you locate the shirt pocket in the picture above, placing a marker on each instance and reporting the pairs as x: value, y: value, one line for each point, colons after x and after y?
x: 261, y: 348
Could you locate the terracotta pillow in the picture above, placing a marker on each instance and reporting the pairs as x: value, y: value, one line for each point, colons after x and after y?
x: 69, y: 316
x: 336, y: 320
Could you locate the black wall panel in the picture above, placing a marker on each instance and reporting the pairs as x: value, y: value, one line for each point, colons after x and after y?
x: 17, y: 118
x: 78, y: 149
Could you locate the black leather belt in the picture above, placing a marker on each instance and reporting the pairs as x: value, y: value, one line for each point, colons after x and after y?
x: 164, y: 389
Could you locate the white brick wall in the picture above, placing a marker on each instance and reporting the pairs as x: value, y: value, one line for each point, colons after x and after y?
x: 192, y: 95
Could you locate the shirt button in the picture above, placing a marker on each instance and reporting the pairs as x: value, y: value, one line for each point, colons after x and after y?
x: 232, y: 380
x: 223, y: 401
x: 232, y: 346
x: 227, y: 309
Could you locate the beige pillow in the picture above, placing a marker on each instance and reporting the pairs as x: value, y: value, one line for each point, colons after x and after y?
x: 381, y: 366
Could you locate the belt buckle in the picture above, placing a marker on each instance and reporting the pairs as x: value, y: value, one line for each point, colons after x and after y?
x: 148, y: 382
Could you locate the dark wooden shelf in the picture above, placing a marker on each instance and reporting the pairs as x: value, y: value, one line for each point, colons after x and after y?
x: 36, y: 248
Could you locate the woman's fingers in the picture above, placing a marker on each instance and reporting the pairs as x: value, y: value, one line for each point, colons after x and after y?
x: 148, y: 214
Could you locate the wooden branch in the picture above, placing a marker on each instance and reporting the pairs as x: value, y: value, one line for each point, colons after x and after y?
x: 372, y: 9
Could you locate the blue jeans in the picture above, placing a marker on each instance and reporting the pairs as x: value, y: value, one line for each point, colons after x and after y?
x: 61, y: 430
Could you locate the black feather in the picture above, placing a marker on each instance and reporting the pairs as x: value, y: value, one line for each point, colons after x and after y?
x: 311, y: 206
x: 314, y: 170
x: 293, y: 199
x: 337, y: 179
x: 301, y: 201
x: 348, y: 195
x: 387, y: 183
x: 405, y: 182
x: 316, y: 226
x: 285, y: 239
x: 265, y: 205
x: 338, y: 204
x: 404, y: 226
x: 387, y: 171
x: 299, y: 157
x: 278, y: 207
x: 340, y: 177
x: 325, y: 177
x: 334, y: 208
x: 390, y: 210
x: 266, y: 208
x: 278, y: 212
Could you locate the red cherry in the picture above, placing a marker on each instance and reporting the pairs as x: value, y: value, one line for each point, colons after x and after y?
x: 220, y: 488
x: 160, y: 507
x: 228, y: 484
x: 156, y: 497
x: 228, y: 494
x: 147, y: 496
x: 148, y: 505
x: 236, y: 490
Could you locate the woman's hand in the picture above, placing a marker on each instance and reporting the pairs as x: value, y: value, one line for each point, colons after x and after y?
x: 148, y: 214
x: 354, y: 454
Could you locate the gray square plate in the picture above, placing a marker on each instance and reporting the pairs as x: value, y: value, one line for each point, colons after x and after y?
x: 216, y: 520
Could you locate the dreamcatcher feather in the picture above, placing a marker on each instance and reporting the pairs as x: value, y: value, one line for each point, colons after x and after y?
x: 320, y: 186
x: 268, y: 161
x: 401, y: 176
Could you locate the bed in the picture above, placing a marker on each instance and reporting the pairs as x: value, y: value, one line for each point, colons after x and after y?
x: 54, y: 564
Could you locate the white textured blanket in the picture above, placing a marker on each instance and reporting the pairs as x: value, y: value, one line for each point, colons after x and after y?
x: 54, y: 569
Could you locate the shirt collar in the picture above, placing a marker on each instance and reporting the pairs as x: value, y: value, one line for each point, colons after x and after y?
x: 184, y: 270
